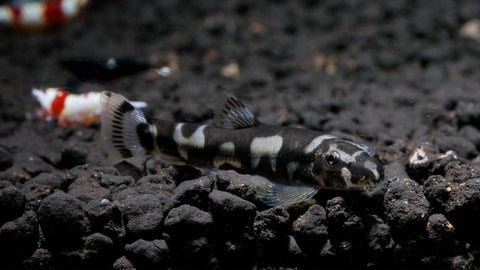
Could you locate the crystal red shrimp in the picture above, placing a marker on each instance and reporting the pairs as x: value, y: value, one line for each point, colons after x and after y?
x: 70, y: 108
x: 41, y: 15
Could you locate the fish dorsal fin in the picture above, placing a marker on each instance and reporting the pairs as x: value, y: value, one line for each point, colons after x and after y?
x: 230, y: 113
x: 274, y: 194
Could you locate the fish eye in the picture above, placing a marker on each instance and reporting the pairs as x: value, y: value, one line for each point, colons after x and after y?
x: 332, y: 158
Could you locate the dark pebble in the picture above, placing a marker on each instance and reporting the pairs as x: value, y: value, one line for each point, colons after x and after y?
x: 18, y: 238
x: 468, y: 113
x: 143, y: 216
x: 33, y: 164
x: 463, y: 207
x: 229, y: 209
x: 6, y: 158
x: 470, y: 133
x: 388, y: 60
x: 271, y: 225
x: 61, y: 217
x: 112, y: 181
x: 441, y: 161
x: 294, y: 249
x: 310, y: 229
x: 106, y: 217
x: 123, y: 263
x: 406, y: 206
x: 34, y: 194
x: 148, y: 254
x: 379, y: 242
x: 237, y: 251
x: 153, y: 166
x: 460, y: 262
x: 336, y: 212
x: 460, y: 145
x: 187, y: 220
x: 123, y: 192
x: 99, y: 250
x: 192, y: 253
x: 394, y: 169
x: 346, y: 232
x: 194, y: 192
x: 458, y: 172
x: 50, y: 180
x: 157, y: 186
x: 88, y: 190
x: 72, y: 156
x: 437, y: 191
x: 41, y: 259
x: 12, y: 202
x: 239, y: 184
x: 440, y: 233
x: 128, y: 169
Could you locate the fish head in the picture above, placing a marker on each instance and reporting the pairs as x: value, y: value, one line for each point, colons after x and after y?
x: 344, y: 165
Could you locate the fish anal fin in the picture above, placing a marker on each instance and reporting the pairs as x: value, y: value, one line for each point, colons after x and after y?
x: 230, y: 113
x: 274, y: 194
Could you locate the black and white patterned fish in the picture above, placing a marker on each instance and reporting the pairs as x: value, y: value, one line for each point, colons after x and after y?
x: 294, y: 163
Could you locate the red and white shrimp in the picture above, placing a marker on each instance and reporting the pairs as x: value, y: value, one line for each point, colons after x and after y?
x: 69, y: 108
x: 41, y: 15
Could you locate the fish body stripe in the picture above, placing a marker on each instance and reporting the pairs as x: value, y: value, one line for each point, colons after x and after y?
x: 265, y: 149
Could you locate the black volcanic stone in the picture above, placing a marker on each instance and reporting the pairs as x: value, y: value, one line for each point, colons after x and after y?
x: 468, y: 113
x: 123, y: 263
x: 270, y: 225
x: 34, y: 194
x: 194, y: 192
x: 86, y: 187
x: 441, y: 233
x: 187, y: 220
x: 62, y: 217
x: 143, y: 216
x: 50, y: 180
x: 437, y: 191
x: 112, y: 181
x: 346, y: 232
x: 193, y: 252
x: 310, y: 229
x: 238, y: 184
x: 470, y: 133
x: 99, y: 250
x: 463, y: 207
x: 230, y: 209
x: 127, y: 168
x: 380, y: 243
x: 12, y: 202
x: 18, y: 238
x: 406, y: 206
x: 106, y: 217
x: 6, y: 158
x: 459, y: 172
x: 41, y: 259
x: 147, y: 254
x: 464, y: 148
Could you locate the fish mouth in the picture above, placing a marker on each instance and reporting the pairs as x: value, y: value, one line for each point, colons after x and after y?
x: 367, y: 173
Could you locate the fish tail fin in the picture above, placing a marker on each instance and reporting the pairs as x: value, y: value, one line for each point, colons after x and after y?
x: 125, y: 130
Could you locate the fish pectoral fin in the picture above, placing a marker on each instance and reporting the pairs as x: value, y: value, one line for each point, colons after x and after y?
x: 274, y: 194
x: 230, y: 113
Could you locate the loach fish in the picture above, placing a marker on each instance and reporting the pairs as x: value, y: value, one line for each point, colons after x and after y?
x: 293, y: 163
